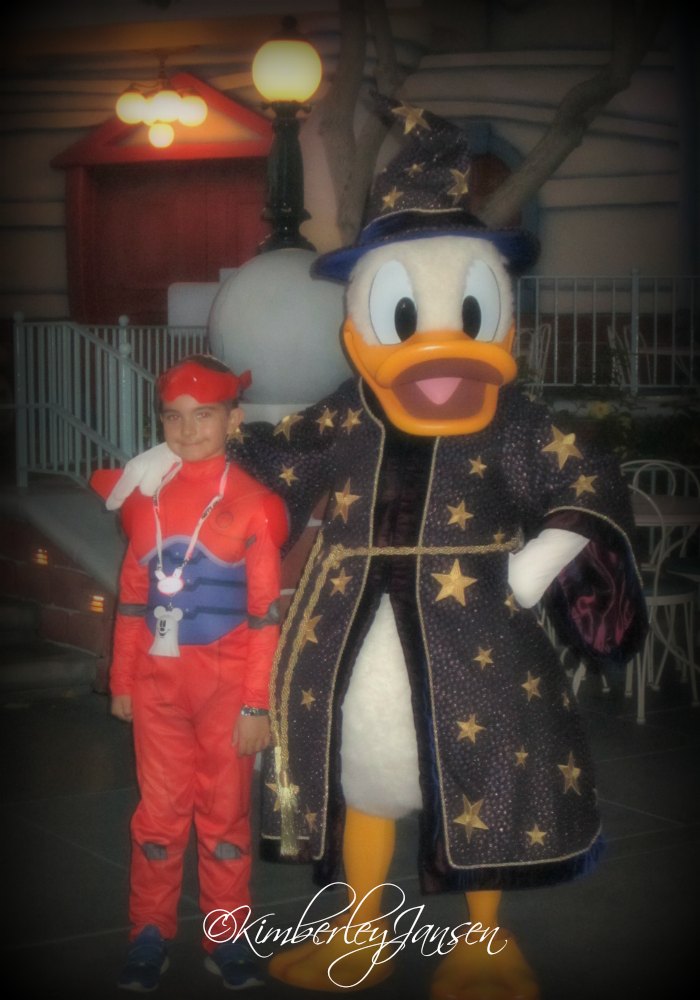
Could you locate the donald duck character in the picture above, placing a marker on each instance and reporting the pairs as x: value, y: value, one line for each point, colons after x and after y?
x: 412, y: 671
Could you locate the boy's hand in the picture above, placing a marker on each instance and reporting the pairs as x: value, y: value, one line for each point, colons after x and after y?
x: 144, y: 472
x: 251, y: 734
x: 121, y: 707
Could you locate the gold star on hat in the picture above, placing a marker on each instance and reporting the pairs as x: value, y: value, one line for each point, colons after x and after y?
x: 412, y: 117
x: 470, y: 818
x: 584, y: 484
x: 536, y: 836
x: 390, y: 198
x: 461, y: 184
x: 477, y: 467
x: 453, y: 584
x: 563, y: 446
x: 521, y: 756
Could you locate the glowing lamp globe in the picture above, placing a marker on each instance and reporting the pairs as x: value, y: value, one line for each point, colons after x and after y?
x: 161, y: 135
x: 130, y: 107
x: 287, y: 69
x: 166, y: 105
x: 193, y: 110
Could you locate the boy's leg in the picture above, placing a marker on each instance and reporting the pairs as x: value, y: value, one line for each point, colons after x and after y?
x: 165, y: 757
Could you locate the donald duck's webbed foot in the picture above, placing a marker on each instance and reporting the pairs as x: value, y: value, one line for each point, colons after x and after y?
x: 483, y: 971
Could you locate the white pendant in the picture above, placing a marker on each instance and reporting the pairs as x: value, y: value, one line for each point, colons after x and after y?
x: 165, y: 642
x: 172, y: 584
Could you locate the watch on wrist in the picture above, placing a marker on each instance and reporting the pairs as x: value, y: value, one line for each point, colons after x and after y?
x: 249, y: 710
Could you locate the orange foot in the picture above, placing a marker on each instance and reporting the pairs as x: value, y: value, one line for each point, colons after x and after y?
x: 345, y: 959
x: 470, y: 972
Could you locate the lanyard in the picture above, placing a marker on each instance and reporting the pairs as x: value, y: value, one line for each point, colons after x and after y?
x: 173, y: 584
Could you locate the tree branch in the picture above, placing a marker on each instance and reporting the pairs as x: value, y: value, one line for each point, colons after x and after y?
x: 635, y: 25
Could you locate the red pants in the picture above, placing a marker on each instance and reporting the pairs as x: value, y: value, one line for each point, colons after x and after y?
x: 184, y: 713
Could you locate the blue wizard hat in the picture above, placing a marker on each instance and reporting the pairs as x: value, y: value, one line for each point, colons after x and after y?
x: 423, y: 192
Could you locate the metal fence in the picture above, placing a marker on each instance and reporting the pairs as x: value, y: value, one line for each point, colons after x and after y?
x: 634, y: 332
x: 84, y: 398
x: 84, y: 395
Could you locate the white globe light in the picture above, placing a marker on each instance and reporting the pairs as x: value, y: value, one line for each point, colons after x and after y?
x: 149, y: 115
x: 130, y: 107
x: 287, y: 69
x: 166, y: 105
x: 193, y: 110
x: 161, y: 135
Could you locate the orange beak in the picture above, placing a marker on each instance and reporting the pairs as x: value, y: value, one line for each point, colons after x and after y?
x: 436, y: 383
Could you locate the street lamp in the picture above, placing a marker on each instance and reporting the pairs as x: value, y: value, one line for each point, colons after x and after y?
x: 286, y: 73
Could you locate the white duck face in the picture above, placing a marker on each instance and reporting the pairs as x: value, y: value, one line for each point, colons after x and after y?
x: 430, y: 328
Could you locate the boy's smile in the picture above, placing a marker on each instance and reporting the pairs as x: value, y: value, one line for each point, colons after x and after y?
x: 196, y: 431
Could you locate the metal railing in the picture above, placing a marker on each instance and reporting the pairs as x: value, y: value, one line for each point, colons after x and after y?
x: 84, y: 395
x: 633, y: 332
x: 84, y: 398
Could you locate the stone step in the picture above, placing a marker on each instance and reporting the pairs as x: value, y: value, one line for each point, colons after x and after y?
x: 19, y: 621
x: 42, y: 669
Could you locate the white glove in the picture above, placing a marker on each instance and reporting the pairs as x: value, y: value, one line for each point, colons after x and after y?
x: 531, y: 570
x: 144, y: 471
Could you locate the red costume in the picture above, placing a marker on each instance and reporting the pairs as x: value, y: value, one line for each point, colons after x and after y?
x: 190, y: 660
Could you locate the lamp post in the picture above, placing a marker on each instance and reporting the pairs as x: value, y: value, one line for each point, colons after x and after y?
x: 286, y: 73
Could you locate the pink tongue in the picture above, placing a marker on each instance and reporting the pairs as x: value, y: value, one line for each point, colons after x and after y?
x: 438, y: 390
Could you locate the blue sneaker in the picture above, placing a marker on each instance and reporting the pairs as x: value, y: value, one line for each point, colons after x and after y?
x: 236, y: 964
x: 146, y: 959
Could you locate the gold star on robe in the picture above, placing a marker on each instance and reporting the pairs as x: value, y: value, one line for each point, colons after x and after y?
x: 571, y: 775
x: 310, y: 819
x: 343, y: 501
x: 532, y: 686
x: 536, y: 836
x: 309, y: 631
x: 469, y: 729
x: 453, y: 584
x: 307, y: 698
x: 521, y: 756
x: 326, y: 420
x: 390, y: 198
x: 584, y: 484
x: 483, y: 658
x: 412, y: 117
x: 272, y: 785
x: 340, y: 582
x: 563, y: 446
x: 459, y: 514
x: 470, y: 818
x: 287, y: 474
x: 511, y: 604
x: 499, y: 538
x: 286, y: 423
x: 238, y: 436
x: 477, y: 467
x: 352, y: 420
x: 414, y: 169
x: 460, y: 186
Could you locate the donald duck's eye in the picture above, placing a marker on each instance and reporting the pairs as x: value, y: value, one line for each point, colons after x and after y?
x: 392, y: 309
x: 481, y: 306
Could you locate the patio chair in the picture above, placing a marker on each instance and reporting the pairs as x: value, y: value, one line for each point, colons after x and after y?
x: 533, y: 354
x: 665, y: 595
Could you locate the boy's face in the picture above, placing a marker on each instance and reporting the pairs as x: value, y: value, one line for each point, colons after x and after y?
x: 196, y: 431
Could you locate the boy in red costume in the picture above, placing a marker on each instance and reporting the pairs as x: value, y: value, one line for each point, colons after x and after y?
x: 195, y: 635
